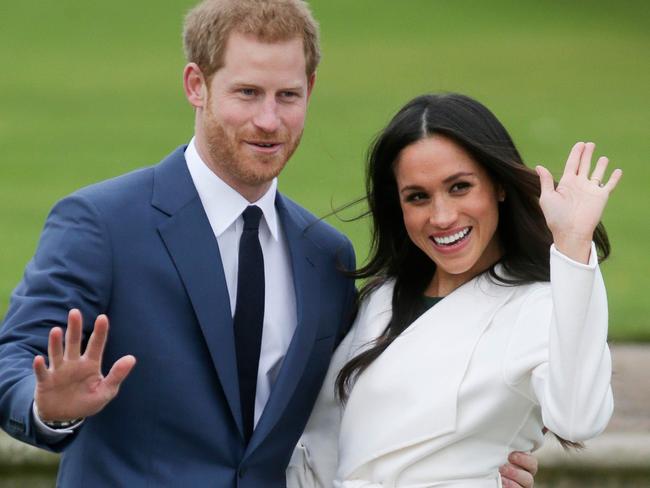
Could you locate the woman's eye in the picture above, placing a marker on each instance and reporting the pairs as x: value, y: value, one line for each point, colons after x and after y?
x: 416, y: 197
x: 459, y: 187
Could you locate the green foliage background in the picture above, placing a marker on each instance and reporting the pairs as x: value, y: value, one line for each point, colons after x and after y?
x: 89, y: 90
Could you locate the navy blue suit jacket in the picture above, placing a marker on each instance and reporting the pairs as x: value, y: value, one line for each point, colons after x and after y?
x: 140, y: 249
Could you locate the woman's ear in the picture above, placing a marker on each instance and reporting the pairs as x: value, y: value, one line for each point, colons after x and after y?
x: 501, y: 194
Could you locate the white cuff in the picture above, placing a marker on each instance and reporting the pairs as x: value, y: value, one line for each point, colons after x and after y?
x: 49, y: 432
x: 593, y: 257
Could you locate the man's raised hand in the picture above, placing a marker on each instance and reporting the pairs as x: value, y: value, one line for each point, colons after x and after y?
x: 73, y: 386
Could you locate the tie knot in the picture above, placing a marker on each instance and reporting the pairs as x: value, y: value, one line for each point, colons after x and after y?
x: 252, y: 216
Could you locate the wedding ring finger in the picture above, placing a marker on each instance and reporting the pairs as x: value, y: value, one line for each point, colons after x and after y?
x: 597, y: 181
x: 599, y: 171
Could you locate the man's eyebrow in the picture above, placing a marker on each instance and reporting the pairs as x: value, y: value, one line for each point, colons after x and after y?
x: 239, y: 83
x: 294, y: 86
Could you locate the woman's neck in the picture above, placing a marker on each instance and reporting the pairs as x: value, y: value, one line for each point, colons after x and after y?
x: 443, y: 282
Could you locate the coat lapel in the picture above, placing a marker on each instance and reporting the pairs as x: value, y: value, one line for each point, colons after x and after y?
x: 191, y: 243
x: 423, y: 369
x: 305, y: 258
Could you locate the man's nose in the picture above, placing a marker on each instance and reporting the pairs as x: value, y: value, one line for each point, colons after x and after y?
x: 267, y: 118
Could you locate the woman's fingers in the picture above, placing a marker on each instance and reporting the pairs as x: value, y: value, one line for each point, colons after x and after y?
x: 585, y: 159
x: 598, y: 176
x: 579, y: 163
x: 613, y: 180
x: 545, y: 179
x: 573, y: 161
x: 599, y: 171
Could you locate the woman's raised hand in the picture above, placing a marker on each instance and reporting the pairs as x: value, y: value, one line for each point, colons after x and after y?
x: 575, y: 207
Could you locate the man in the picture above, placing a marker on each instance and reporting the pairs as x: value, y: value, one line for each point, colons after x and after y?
x: 227, y: 294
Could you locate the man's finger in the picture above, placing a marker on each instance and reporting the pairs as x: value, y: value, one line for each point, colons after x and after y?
x: 73, y: 335
x: 97, y: 341
x: 40, y: 369
x: 118, y: 373
x: 517, y: 475
x: 525, y: 461
x: 55, y: 347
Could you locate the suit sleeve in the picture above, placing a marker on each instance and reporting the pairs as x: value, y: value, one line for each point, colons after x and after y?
x: 568, y: 342
x: 315, y: 458
x: 70, y: 269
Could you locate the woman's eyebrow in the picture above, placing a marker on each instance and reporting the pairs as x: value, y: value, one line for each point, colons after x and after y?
x: 455, y: 176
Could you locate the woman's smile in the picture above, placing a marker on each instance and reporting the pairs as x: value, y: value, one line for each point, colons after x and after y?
x: 451, y: 242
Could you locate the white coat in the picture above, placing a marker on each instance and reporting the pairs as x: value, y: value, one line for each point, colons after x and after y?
x: 475, y: 377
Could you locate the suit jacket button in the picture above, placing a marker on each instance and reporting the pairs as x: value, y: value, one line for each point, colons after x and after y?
x: 241, y: 472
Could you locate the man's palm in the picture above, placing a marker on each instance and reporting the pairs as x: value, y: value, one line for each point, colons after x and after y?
x: 73, y: 386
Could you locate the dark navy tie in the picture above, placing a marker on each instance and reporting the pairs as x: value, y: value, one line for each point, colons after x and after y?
x: 249, y: 314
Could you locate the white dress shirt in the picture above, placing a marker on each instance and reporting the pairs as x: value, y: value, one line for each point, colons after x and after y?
x: 224, y: 206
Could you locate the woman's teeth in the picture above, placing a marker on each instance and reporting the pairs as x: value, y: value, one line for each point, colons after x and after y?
x: 452, y: 239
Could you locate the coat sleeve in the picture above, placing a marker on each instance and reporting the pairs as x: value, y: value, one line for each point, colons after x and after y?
x: 70, y: 269
x: 566, y: 338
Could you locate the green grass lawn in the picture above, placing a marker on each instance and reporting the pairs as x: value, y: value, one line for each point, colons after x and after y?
x: 89, y: 90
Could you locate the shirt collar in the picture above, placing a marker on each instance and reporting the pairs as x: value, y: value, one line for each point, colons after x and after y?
x: 222, y: 203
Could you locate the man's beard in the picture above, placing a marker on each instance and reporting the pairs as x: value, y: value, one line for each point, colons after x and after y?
x: 229, y: 156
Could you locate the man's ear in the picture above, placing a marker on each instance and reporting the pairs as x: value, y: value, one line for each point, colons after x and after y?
x: 310, y: 83
x: 194, y: 85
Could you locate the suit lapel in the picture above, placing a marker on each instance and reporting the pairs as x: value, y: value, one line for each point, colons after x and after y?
x: 305, y: 258
x: 191, y: 243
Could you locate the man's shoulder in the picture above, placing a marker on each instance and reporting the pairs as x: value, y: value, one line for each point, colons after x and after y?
x: 315, y: 228
x: 132, y: 186
x: 112, y: 188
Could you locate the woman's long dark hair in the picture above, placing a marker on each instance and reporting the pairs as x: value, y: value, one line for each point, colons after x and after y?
x: 522, y: 231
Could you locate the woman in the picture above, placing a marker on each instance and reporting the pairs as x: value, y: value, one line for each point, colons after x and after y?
x: 468, y: 342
